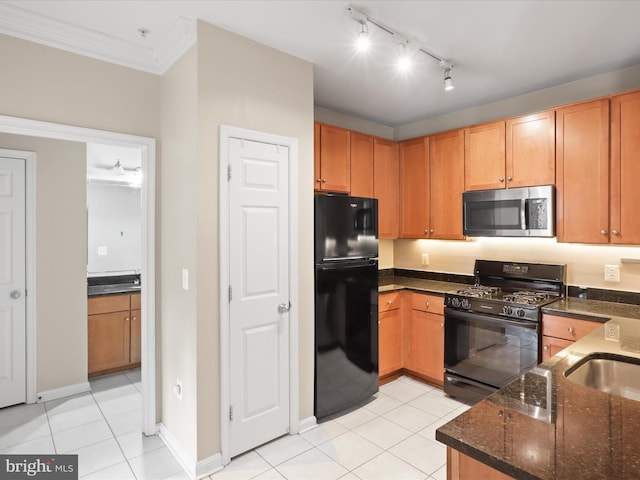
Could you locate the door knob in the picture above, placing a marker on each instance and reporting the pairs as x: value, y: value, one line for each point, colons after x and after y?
x: 15, y: 294
x: 284, y: 307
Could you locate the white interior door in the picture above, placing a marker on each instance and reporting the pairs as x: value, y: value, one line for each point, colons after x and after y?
x: 12, y: 282
x: 259, y: 299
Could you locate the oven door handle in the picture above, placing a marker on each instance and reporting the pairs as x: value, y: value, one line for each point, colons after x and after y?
x: 450, y: 313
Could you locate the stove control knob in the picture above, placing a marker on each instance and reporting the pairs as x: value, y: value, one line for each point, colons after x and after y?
x: 506, y: 310
x: 465, y: 304
x: 521, y: 312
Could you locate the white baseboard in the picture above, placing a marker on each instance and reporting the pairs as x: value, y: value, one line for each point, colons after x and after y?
x: 55, y: 393
x: 307, y: 424
x: 194, y: 469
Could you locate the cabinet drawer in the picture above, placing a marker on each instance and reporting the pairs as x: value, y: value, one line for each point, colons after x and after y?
x: 108, y: 303
x: 567, y: 328
x: 389, y: 301
x: 427, y: 303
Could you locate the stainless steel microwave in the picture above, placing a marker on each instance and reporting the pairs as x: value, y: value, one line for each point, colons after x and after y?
x: 511, y: 212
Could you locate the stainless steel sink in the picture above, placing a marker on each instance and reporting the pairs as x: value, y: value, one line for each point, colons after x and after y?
x: 609, y: 373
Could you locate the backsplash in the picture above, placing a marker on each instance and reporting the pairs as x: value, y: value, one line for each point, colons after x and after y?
x: 585, y: 263
x: 387, y: 277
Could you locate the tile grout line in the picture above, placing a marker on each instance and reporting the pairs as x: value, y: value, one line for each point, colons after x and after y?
x: 113, y: 433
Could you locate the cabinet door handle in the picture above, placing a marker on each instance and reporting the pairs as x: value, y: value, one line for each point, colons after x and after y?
x: 615, y: 232
x: 442, y: 325
x: 389, y: 302
x: 501, y: 179
x: 431, y: 231
x: 426, y: 304
x: 509, y: 179
x: 324, y: 180
x: 571, y: 330
x: 127, y: 319
x: 603, y: 232
x: 318, y: 180
x: 426, y: 231
x: 134, y: 319
x: 546, y: 348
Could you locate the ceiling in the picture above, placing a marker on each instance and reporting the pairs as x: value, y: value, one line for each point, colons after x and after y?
x: 499, y: 48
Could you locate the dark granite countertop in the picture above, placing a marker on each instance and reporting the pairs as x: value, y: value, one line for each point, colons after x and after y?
x: 420, y: 285
x: 110, y: 285
x: 591, y: 309
x: 545, y: 426
x: 96, y: 290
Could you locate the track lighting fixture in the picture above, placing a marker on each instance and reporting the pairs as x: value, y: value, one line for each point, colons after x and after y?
x: 363, y: 37
x: 448, y: 81
x: 404, y: 61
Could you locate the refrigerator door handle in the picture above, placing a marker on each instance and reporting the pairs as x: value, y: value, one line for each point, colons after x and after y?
x: 284, y: 307
x: 346, y: 265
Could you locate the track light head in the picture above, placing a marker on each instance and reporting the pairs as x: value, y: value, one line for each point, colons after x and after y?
x: 363, y: 37
x: 448, y: 81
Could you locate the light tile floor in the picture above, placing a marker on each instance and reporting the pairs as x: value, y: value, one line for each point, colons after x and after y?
x: 101, y: 426
x: 393, y: 436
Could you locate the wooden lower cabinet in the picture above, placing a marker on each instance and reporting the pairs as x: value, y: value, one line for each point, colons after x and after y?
x: 559, y: 332
x: 389, y: 333
x: 114, y: 333
x: 109, y: 339
x: 463, y: 467
x: 411, y: 335
x: 426, y: 345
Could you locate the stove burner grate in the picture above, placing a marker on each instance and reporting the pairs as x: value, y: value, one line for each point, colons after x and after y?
x: 528, y: 298
x: 480, y: 291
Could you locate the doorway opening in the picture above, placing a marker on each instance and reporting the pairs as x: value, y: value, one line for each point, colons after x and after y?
x: 114, y: 258
x: 146, y: 147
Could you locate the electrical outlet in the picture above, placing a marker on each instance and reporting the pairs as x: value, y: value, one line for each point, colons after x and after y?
x: 425, y: 259
x: 612, y: 332
x: 177, y: 389
x: 612, y: 273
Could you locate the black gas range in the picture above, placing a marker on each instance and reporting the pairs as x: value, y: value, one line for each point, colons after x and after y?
x: 492, y: 329
x: 510, y: 290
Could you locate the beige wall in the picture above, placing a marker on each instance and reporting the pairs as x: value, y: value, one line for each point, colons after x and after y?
x: 385, y: 254
x: 177, y: 178
x: 585, y: 263
x: 61, y: 271
x: 224, y: 80
x: 46, y: 84
x: 585, y: 89
x: 352, y: 123
x: 43, y: 83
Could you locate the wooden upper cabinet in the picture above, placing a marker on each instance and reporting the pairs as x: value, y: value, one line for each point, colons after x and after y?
x: 484, y: 156
x: 316, y: 156
x: 446, y: 166
x: 361, y: 165
x: 625, y: 168
x: 386, y: 186
x: 531, y: 156
x: 414, y: 188
x: 335, y: 164
x: 582, y: 172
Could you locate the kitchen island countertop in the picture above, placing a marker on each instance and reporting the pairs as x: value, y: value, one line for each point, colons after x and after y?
x: 545, y: 426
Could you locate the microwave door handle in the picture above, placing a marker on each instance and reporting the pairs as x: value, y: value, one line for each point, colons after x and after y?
x: 523, y: 214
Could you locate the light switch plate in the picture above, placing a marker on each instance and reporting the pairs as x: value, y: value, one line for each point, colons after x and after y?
x: 185, y: 279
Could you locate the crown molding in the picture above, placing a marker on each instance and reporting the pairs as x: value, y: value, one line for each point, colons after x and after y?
x: 44, y: 30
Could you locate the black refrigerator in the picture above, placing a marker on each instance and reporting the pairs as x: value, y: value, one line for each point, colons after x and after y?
x: 346, y: 303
